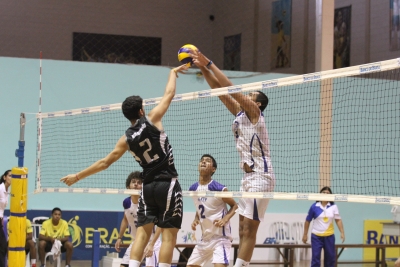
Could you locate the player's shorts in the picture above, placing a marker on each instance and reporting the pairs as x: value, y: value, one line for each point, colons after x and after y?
x: 161, y: 203
x: 254, y: 208
x: 218, y: 249
x: 150, y: 261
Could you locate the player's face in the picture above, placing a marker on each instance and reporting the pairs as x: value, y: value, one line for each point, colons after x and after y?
x: 206, y: 166
x: 56, y: 216
x: 326, y: 191
x: 253, y: 96
x: 135, y: 184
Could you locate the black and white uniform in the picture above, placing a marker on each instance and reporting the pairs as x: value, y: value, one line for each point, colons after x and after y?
x: 161, y: 198
x: 216, y: 242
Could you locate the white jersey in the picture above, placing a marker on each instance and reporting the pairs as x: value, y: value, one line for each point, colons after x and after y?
x: 3, y: 199
x: 210, y: 209
x: 130, y: 210
x: 252, y: 143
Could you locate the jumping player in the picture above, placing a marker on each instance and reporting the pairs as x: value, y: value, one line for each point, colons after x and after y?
x: 161, y: 197
x: 252, y: 143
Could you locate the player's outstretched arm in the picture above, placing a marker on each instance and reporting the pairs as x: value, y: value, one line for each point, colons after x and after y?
x: 158, y: 111
x: 239, y: 99
x: 228, y: 101
x: 122, y: 228
x: 233, y: 207
x: 120, y: 148
x: 202, y: 61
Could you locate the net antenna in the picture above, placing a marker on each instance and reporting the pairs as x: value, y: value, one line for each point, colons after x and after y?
x: 39, y: 128
x: 365, y: 133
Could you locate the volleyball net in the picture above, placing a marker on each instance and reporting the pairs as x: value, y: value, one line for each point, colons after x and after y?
x: 338, y: 128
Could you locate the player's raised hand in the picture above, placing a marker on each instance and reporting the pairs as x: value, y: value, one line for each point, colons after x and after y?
x: 199, y: 59
x: 70, y: 179
x: 194, y: 224
x: 181, y: 69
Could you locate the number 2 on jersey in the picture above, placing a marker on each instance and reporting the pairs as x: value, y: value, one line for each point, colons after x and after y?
x: 146, y: 152
x: 201, y: 208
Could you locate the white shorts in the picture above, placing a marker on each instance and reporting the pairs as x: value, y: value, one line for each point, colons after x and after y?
x: 150, y: 261
x: 254, y: 208
x: 218, y: 249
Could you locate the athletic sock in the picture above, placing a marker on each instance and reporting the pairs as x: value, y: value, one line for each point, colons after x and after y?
x: 133, y: 263
x: 240, y: 263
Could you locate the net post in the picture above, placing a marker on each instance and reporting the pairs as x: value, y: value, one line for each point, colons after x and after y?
x: 18, y: 204
x: 96, y: 248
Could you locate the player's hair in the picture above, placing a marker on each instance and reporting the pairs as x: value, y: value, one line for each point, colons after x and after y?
x: 263, y: 99
x: 213, y: 161
x: 133, y: 176
x: 2, y: 180
x: 330, y: 192
x: 131, y: 107
x: 56, y: 209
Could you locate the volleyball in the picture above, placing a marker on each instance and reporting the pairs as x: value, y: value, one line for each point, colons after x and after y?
x: 184, y: 54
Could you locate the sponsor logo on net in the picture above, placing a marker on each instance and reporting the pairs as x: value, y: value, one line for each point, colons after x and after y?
x: 382, y: 200
x: 398, y: 61
x: 150, y: 102
x: 370, y: 68
x: 302, y: 196
x: 177, y: 98
x: 68, y: 113
x: 202, y: 94
x: 105, y: 108
x: 312, y: 77
x: 85, y: 110
x: 234, y: 89
x: 341, y: 198
x: 268, y: 195
x: 269, y: 84
x: 50, y: 115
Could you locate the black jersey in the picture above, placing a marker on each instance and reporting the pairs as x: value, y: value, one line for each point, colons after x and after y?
x: 151, y: 149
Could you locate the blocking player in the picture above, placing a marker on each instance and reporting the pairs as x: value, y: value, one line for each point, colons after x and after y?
x: 161, y: 197
x: 252, y: 143
x: 213, y: 216
x: 130, y: 204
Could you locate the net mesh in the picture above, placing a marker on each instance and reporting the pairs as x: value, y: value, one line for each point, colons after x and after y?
x: 364, y: 147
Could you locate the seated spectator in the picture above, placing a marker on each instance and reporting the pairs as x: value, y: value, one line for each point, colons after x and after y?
x: 29, y: 242
x: 54, y: 236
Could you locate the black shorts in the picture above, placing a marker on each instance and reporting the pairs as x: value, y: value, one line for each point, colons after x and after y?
x: 49, y: 245
x: 161, y: 203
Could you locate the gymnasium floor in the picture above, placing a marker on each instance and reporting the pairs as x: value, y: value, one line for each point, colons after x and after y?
x: 296, y: 264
